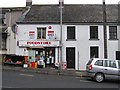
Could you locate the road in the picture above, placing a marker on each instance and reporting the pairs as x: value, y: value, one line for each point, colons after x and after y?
x: 13, y: 79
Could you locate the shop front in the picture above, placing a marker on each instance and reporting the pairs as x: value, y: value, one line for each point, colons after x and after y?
x: 44, y: 53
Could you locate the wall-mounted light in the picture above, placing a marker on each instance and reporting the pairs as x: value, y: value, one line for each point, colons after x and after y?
x: 50, y: 27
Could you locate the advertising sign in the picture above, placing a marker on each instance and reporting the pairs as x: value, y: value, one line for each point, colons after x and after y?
x: 51, y: 34
x: 38, y: 43
x: 32, y: 34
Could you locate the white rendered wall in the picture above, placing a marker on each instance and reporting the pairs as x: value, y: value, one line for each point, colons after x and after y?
x: 82, y: 43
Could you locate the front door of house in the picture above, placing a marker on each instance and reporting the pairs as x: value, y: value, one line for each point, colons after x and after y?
x: 70, y: 57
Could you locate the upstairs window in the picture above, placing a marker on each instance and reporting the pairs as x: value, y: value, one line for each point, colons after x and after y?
x: 41, y: 33
x: 93, y: 32
x: 71, y: 33
x: 112, y: 32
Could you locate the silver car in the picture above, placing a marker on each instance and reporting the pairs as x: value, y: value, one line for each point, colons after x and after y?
x: 101, y: 69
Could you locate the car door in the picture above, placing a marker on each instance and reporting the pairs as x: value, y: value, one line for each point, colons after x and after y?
x: 111, y: 70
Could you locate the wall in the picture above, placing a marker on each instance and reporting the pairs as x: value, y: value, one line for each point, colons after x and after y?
x: 112, y: 45
x: 23, y: 33
x: 11, y: 18
x: 82, y: 43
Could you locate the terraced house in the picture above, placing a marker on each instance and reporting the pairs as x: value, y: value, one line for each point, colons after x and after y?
x: 38, y: 33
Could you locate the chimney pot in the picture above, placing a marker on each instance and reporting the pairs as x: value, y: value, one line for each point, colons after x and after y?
x: 28, y: 2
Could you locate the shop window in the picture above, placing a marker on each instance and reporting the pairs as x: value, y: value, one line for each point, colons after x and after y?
x: 3, y: 43
x: 94, y: 52
x: 41, y: 33
x: 112, y: 32
x: 71, y: 33
x: 93, y: 32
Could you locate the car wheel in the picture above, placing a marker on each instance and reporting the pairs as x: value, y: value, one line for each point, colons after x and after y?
x: 99, y: 77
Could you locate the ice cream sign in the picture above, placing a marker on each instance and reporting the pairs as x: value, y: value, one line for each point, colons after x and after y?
x: 32, y: 34
x: 50, y: 33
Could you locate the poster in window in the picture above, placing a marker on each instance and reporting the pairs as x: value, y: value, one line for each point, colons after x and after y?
x: 51, y: 34
x: 32, y: 34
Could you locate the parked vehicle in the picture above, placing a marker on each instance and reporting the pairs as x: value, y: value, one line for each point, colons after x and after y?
x: 101, y: 69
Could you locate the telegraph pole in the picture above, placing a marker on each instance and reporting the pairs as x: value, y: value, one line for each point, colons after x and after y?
x: 105, y: 29
x: 61, y: 6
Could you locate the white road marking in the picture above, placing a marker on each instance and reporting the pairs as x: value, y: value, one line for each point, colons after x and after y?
x: 8, y: 87
x: 84, y: 81
x: 29, y: 75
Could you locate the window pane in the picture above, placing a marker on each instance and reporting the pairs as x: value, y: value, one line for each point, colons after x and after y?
x: 99, y: 63
x: 113, y: 32
x: 71, y: 32
x: 93, y: 32
x: 119, y: 64
x: 106, y: 63
x: 110, y: 63
x: 41, y: 33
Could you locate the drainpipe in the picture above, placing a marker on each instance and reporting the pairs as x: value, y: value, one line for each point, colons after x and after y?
x: 119, y: 25
x: 61, y: 6
x: 105, y: 29
x: 9, y: 31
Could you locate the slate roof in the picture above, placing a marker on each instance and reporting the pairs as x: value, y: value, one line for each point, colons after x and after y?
x: 72, y: 13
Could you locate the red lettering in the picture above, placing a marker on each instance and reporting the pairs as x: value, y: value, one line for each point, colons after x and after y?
x: 38, y: 42
x: 49, y: 42
x: 46, y: 42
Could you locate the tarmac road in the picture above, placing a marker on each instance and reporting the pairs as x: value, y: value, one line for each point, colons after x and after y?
x: 14, y: 79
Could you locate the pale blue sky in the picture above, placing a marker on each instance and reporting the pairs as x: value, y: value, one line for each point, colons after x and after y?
x: 21, y: 3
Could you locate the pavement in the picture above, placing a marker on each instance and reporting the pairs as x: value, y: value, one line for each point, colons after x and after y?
x: 48, y: 71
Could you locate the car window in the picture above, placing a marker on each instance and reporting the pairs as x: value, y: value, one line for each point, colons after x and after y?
x: 110, y: 63
x: 99, y: 63
x: 119, y: 64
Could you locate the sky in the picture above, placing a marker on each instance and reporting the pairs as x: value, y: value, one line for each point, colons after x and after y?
x: 22, y: 3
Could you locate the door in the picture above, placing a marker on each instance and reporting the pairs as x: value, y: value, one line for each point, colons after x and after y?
x: 50, y: 56
x: 117, y: 55
x: 70, y: 57
x: 31, y: 55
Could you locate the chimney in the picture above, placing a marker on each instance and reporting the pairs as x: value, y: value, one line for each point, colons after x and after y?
x: 61, y: 2
x: 28, y: 3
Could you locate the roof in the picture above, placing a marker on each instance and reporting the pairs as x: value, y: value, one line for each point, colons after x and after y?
x: 73, y: 13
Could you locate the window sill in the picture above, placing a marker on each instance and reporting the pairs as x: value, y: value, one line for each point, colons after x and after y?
x: 113, y: 39
x: 71, y: 40
x: 94, y: 39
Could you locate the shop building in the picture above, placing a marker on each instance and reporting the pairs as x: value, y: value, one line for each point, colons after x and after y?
x: 38, y: 34
x: 38, y: 41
